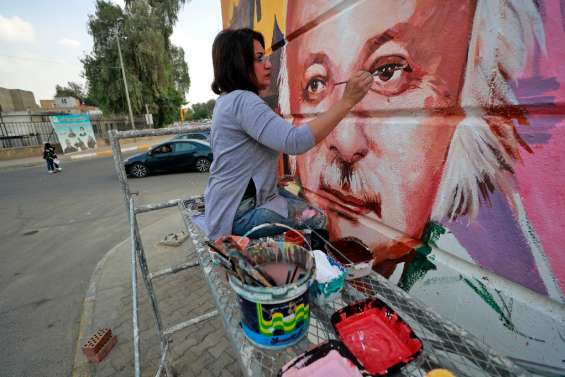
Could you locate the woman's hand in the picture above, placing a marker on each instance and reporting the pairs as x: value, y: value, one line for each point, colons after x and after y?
x: 357, y: 87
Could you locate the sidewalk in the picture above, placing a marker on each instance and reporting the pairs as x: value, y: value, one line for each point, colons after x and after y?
x: 139, y: 145
x: 198, y: 350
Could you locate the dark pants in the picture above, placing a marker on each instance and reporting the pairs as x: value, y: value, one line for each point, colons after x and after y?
x: 50, y: 164
x: 300, y: 216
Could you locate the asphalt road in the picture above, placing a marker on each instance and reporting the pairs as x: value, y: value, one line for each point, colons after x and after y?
x: 53, y: 231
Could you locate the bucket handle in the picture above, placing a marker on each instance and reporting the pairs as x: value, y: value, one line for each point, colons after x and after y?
x: 261, y: 226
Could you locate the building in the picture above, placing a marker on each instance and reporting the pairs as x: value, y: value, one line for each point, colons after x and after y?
x: 47, y: 104
x: 66, y: 103
x: 17, y: 100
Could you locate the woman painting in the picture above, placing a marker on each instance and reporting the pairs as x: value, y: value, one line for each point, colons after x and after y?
x: 247, y: 138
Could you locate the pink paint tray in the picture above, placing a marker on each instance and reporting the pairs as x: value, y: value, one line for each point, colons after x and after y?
x: 381, y: 341
x: 331, y: 358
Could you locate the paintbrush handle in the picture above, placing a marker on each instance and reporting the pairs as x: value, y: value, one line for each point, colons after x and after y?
x: 248, y: 268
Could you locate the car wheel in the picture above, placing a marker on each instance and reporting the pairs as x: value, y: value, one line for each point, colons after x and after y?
x: 202, y: 165
x: 138, y: 170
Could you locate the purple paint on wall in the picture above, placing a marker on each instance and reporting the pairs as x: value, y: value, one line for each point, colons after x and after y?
x: 495, y: 241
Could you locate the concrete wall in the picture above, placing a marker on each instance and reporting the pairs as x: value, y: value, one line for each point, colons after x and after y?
x: 451, y: 169
x: 6, y: 100
x: 17, y: 100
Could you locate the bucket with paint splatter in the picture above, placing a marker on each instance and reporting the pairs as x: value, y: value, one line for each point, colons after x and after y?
x: 279, y: 316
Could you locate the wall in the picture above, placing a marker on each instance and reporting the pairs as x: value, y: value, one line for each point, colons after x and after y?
x: 451, y: 168
x: 17, y: 100
x: 6, y: 101
x: 23, y: 99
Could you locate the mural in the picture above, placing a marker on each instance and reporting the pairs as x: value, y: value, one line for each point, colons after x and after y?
x: 451, y: 168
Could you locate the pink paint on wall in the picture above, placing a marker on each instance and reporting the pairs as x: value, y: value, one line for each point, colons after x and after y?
x: 540, y: 176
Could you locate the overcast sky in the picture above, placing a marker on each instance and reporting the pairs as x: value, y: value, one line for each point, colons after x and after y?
x: 42, y: 41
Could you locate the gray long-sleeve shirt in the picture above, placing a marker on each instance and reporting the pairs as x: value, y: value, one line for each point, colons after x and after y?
x: 247, y: 138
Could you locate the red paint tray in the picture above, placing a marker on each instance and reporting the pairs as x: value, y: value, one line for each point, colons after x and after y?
x: 381, y: 341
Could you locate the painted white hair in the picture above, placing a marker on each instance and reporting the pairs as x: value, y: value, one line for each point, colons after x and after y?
x: 478, y: 161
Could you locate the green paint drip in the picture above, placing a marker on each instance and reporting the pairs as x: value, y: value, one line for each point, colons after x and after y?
x: 481, y: 290
x: 420, y: 265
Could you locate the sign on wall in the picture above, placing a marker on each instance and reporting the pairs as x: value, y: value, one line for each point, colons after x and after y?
x: 74, y: 132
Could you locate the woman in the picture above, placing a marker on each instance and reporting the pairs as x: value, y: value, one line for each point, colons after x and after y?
x: 247, y: 138
x: 50, y: 156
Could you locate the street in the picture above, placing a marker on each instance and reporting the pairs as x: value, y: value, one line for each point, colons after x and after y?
x: 54, y: 230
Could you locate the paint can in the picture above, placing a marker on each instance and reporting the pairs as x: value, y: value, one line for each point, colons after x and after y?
x: 279, y: 316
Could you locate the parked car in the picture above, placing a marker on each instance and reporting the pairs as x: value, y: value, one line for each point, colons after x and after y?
x: 173, y: 155
x: 198, y: 135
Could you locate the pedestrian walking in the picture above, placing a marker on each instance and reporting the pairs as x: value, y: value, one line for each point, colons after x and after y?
x: 53, y: 163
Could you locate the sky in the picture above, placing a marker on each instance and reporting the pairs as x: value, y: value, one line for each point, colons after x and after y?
x: 42, y: 42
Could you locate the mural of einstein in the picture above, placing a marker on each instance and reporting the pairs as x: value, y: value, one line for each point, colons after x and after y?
x: 436, y: 139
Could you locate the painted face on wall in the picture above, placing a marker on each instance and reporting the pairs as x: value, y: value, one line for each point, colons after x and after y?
x: 377, y: 173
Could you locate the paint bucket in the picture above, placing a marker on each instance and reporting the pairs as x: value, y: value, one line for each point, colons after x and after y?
x: 279, y: 316
x: 353, y: 254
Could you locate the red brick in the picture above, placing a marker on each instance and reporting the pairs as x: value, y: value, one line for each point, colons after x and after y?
x: 98, y: 345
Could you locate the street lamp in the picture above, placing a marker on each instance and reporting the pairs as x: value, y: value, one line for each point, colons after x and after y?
x: 124, y: 76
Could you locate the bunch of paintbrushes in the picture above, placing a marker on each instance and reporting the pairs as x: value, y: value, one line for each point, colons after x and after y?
x: 239, y: 266
x: 243, y: 268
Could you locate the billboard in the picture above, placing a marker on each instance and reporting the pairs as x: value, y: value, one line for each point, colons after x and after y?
x: 74, y: 132
x: 451, y: 169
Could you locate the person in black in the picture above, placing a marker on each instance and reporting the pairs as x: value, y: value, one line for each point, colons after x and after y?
x: 50, y: 156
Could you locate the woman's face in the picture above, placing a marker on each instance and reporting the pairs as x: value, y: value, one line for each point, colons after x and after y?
x: 377, y: 173
x: 262, y: 66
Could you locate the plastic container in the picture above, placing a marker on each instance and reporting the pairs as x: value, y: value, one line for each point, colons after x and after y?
x: 381, y: 341
x: 328, y: 359
x: 353, y: 255
x: 276, y: 317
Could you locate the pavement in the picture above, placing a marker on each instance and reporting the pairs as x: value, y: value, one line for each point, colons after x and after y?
x: 128, y: 146
x: 201, y: 349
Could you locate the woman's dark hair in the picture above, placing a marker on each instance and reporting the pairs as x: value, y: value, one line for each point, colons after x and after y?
x: 233, y: 57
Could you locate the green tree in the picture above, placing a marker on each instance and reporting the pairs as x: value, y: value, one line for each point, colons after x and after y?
x: 156, y: 71
x: 72, y: 89
x: 200, y: 111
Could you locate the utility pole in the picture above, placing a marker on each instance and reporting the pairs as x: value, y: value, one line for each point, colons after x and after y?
x: 125, y: 83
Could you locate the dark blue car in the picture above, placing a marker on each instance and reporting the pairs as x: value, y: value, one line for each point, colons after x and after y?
x: 174, y: 155
x: 198, y: 135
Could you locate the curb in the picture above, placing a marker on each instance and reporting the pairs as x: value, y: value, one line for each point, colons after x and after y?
x: 81, y: 367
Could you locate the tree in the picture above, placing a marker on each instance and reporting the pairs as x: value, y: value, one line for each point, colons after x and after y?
x: 200, y: 111
x: 71, y: 90
x: 156, y: 71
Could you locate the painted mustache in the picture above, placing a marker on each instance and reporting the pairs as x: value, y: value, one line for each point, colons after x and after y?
x: 349, y: 186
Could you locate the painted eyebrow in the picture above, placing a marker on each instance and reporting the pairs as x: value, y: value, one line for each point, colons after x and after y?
x: 377, y: 41
x: 316, y: 58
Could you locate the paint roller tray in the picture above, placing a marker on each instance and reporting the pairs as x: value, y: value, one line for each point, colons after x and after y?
x: 381, y: 341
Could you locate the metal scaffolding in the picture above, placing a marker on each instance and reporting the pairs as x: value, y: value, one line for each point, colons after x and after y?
x: 138, y: 256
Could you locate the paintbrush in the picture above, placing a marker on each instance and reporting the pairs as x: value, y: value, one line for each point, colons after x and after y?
x: 242, y: 262
x: 399, y: 68
x: 294, y: 273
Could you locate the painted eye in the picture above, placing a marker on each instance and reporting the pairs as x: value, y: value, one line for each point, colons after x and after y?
x: 388, y: 72
x: 316, y: 85
x: 391, y: 75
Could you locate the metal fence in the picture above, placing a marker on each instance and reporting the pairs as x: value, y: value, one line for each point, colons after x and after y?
x: 35, y: 130
x: 26, y: 134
